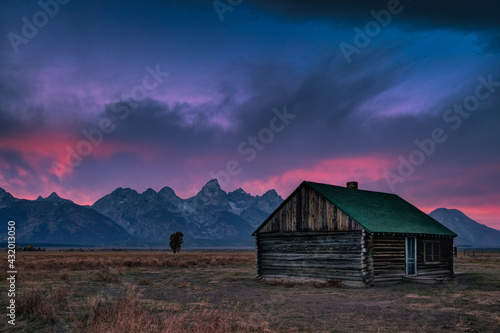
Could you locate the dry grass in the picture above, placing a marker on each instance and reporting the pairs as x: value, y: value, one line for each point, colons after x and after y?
x: 108, y: 275
x: 78, y: 261
x: 144, y: 282
x: 64, y: 276
x: 129, y: 315
x: 217, y: 292
x: 316, y: 283
x: 330, y: 283
x: 40, y: 305
x: 280, y: 282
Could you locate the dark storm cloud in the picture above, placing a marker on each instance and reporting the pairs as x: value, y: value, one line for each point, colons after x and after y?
x: 469, y: 16
x: 155, y: 123
x: 328, y: 102
x: 482, y: 14
x: 11, y: 126
x: 15, y: 162
x: 331, y: 123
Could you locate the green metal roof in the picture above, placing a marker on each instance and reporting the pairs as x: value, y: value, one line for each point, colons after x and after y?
x: 379, y: 212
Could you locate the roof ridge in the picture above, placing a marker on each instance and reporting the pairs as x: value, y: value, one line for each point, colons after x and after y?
x: 343, y: 187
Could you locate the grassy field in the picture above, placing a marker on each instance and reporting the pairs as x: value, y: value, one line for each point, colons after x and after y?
x: 217, y: 292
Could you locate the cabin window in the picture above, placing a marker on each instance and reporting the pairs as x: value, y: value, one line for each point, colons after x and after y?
x: 432, y: 252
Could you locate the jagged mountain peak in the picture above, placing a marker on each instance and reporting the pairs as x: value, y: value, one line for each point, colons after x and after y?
x: 53, y: 195
x: 167, y: 191
x: 5, y: 196
x: 271, y: 193
x: 3, y: 192
x: 240, y: 195
x: 54, y: 198
x: 240, y: 190
x: 119, y: 196
x: 168, y: 194
x: 121, y: 190
x: 212, y: 189
x: 149, y: 192
x: 211, y: 195
x: 212, y: 185
x: 271, y: 197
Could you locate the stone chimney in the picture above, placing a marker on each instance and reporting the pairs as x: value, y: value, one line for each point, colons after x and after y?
x: 353, y: 185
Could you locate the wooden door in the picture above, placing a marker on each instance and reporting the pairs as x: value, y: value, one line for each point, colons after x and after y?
x: 411, y: 255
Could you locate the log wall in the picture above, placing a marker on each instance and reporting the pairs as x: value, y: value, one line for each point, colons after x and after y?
x: 332, y: 255
x: 389, y: 258
x: 307, y: 210
x: 389, y: 261
x: 443, y: 269
x: 367, y: 258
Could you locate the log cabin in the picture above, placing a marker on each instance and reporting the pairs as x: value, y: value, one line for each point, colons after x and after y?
x: 357, y: 237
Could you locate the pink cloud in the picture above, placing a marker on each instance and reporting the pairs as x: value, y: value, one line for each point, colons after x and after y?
x: 365, y: 170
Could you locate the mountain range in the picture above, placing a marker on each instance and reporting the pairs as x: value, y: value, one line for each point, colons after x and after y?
x: 212, y: 217
x: 124, y: 217
x: 59, y: 221
x: 470, y: 233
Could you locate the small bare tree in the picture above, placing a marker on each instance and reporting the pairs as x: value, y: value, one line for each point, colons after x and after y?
x: 176, y: 240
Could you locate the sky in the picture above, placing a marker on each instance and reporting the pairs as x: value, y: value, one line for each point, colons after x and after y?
x: 401, y: 96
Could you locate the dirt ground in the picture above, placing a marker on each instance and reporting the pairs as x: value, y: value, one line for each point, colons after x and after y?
x: 226, y: 282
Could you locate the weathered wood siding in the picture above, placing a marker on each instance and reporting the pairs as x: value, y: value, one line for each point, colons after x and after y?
x: 367, y: 258
x: 389, y: 260
x: 442, y: 269
x: 332, y: 255
x: 307, y: 210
